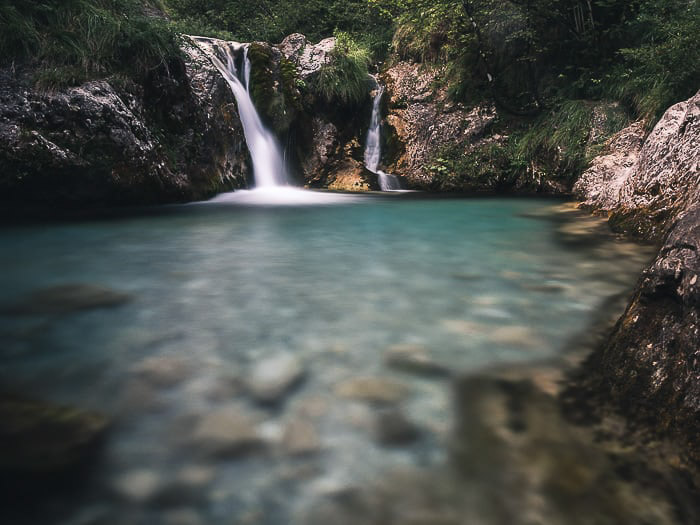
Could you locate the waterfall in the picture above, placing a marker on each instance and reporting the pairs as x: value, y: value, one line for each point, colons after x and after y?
x: 373, y: 147
x: 268, y: 163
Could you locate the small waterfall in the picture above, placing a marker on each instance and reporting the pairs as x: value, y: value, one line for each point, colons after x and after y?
x: 268, y: 163
x: 373, y: 148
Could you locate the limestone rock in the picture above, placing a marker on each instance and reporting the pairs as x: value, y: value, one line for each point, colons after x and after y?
x: 372, y: 389
x: 308, y: 57
x: 272, y: 378
x: 95, y: 144
x: 422, y: 121
x: 646, y: 188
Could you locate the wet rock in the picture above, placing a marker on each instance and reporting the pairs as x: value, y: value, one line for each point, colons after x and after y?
x: 162, y: 371
x: 414, y: 359
x: 65, y: 299
x: 645, y: 187
x: 138, y: 486
x: 94, y: 144
x: 227, y: 431
x: 300, y: 437
x: 372, y: 390
x: 43, y: 439
x: 515, y: 335
x: 271, y: 379
x: 393, y: 428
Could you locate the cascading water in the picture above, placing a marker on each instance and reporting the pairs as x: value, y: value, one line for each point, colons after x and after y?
x: 268, y: 163
x: 373, y: 149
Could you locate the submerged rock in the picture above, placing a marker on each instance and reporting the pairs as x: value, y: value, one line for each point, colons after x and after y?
x: 372, y: 389
x: 65, y: 299
x: 414, y: 359
x: 138, y: 486
x: 393, y: 428
x: 272, y: 378
x: 300, y: 437
x: 42, y: 439
x: 162, y: 371
x: 227, y: 431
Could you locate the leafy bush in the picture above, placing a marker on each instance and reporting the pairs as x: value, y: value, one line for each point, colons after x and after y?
x: 79, y: 39
x: 344, y: 79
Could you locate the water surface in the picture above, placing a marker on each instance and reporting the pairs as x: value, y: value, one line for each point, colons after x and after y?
x: 218, y: 287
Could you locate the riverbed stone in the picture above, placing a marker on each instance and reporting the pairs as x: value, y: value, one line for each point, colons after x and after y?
x: 227, y: 431
x: 414, y: 359
x: 392, y: 427
x: 66, y: 299
x: 138, y: 485
x: 300, y: 437
x: 38, y: 438
x: 272, y: 378
x: 372, y: 389
x: 162, y: 371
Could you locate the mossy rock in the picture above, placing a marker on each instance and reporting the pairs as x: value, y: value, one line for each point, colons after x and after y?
x: 273, y: 87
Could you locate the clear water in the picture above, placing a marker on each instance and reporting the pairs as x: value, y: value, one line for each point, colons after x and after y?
x: 220, y: 285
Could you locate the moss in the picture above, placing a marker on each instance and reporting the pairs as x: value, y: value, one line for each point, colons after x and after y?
x: 273, y: 87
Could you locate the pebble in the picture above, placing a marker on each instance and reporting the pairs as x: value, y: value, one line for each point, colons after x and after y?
x: 271, y: 379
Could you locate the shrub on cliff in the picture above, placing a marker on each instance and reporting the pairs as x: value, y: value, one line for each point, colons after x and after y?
x: 75, y: 40
x: 344, y: 79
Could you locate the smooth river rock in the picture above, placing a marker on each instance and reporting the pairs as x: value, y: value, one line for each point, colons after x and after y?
x: 270, y: 379
x: 300, y: 437
x: 372, y: 390
x: 227, y: 431
x: 162, y: 371
x: 414, y: 359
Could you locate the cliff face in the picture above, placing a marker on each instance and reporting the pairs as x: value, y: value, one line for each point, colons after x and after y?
x: 644, y: 184
x: 650, y: 365
x: 327, y: 140
x: 421, y: 121
x: 174, y: 137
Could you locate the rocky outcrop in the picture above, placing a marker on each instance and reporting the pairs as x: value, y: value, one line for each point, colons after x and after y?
x: 307, y: 57
x: 645, y: 187
x: 328, y: 140
x: 174, y: 136
x: 650, y: 365
x: 422, y: 121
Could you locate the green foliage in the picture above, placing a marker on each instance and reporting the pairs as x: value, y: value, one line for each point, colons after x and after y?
x: 486, y: 167
x: 272, y: 20
x: 79, y: 39
x: 344, y: 79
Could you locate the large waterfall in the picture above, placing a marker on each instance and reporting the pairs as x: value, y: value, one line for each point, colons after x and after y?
x: 268, y: 163
x: 373, y: 147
